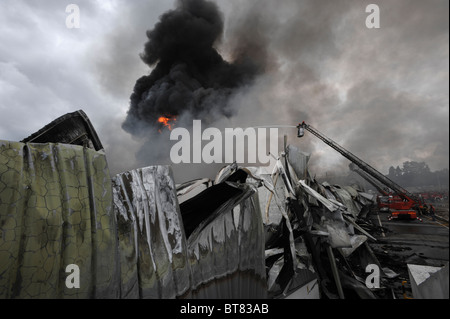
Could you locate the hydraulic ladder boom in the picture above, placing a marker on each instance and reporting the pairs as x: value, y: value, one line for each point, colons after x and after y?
x: 369, y: 179
x: 403, y: 193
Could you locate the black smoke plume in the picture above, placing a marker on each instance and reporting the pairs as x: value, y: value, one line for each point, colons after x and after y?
x: 189, y: 78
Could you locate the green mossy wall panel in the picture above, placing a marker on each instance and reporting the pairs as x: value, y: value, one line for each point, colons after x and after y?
x: 55, y: 210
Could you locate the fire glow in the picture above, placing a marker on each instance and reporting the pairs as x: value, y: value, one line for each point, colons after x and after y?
x: 167, y: 121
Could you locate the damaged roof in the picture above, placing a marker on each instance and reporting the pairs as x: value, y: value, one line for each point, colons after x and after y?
x: 71, y: 128
x: 249, y: 233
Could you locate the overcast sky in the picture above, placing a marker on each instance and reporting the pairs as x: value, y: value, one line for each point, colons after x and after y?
x: 381, y: 93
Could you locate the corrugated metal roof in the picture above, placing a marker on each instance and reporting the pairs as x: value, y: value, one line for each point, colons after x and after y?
x: 152, y: 244
x: 226, y: 251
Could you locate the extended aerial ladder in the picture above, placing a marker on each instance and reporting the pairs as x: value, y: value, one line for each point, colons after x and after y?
x: 409, y: 204
x: 369, y: 179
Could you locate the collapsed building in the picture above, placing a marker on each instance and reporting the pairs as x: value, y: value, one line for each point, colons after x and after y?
x: 248, y: 233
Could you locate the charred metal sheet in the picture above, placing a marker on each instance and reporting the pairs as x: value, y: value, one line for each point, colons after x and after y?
x: 336, y: 223
x: 192, y: 188
x: 304, y: 273
x: 352, y: 191
x: 326, y: 190
x: 288, y: 262
x: 326, y: 202
x: 270, y: 201
x: 346, y: 199
x: 56, y: 210
x: 366, y: 198
x: 210, y: 246
x: 355, y: 286
x: 356, y: 241
x: 429, y: 282
x: 72, y: 128
x: 226, y: 249
x: 199, y: 208
x: 325, y: 218
x: 152, y: 243
x: 299, y: 161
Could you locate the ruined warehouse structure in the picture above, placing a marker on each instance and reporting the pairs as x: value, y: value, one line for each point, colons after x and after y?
x: 245, y: 234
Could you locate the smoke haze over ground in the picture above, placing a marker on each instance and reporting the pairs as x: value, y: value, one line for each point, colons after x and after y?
x: 380, y: 93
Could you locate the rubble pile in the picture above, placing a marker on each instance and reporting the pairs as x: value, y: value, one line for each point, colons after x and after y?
x: 248, y: 233
x: 316, y: 235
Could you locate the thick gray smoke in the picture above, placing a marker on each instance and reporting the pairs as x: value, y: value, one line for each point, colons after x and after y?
x: 370, y: 90
x: 266, y: 62
x: 190, y: 78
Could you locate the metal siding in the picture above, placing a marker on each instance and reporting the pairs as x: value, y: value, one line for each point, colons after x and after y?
x: 152, y: 243
x: 55, y: 210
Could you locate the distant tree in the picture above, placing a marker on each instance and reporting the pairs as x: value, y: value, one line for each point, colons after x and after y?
x: 398, y: 171
x: 418, y: 174
x: 391, y: 173
x: 415, y: 173
x: 415, y: 168
x: 395, y: 174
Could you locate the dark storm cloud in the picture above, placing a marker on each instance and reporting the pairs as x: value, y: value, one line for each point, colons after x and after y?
x: 41, y: 76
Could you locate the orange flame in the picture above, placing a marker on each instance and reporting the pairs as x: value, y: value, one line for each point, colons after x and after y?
x: 167, y: 121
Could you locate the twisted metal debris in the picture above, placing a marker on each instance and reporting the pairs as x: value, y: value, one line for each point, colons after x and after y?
x: 246, y: 234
